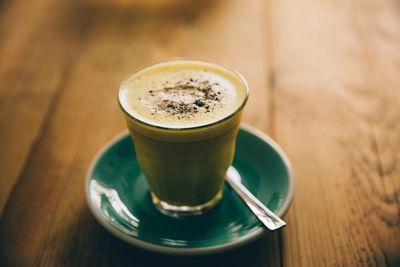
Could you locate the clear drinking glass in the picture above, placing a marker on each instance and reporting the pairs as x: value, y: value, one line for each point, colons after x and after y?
x: 185, y: 167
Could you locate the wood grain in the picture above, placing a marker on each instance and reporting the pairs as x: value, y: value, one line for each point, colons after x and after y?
x: 324, y: 80
x: 36, y: 58
x: 336, y: 97
x: 46, y: 215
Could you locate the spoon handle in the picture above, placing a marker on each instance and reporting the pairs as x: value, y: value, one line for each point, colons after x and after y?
x: 267, y: 217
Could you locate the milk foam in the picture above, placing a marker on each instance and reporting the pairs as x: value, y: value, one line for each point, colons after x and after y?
x: 182, y: 94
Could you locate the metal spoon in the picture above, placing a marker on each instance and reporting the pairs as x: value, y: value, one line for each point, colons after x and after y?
x: 267, y: 217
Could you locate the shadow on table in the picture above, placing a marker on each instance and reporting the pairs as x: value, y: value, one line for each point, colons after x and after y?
x: 89, y: 244
x: 253, y: 254
x: 125, y: 25
x: 124, y: 14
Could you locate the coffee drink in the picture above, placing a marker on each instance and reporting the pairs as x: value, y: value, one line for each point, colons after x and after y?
x: 183, y: 116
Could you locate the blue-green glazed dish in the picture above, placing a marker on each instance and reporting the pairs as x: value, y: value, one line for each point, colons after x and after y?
x: 118, y: 196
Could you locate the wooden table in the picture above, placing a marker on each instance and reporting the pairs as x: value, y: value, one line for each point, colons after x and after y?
x: 325, y: 83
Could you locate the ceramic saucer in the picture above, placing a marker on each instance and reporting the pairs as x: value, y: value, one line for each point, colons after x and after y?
x: 118, y: 196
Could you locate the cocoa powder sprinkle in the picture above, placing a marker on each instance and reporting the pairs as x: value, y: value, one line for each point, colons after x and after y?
x: 186, y: 97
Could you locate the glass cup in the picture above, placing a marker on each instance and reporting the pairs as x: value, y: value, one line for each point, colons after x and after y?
x: 185, y: 168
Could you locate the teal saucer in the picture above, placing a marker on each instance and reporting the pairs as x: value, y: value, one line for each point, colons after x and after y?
x: 119, y: 198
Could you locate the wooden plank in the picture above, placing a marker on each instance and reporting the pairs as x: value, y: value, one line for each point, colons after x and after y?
x: 336, y: 66
x: 46, y: 216
x: 36, y: 56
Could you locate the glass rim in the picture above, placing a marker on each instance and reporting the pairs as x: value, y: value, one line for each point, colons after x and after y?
x: 236, y: 73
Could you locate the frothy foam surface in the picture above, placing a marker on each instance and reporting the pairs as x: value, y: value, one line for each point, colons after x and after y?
x: 182, y: 94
